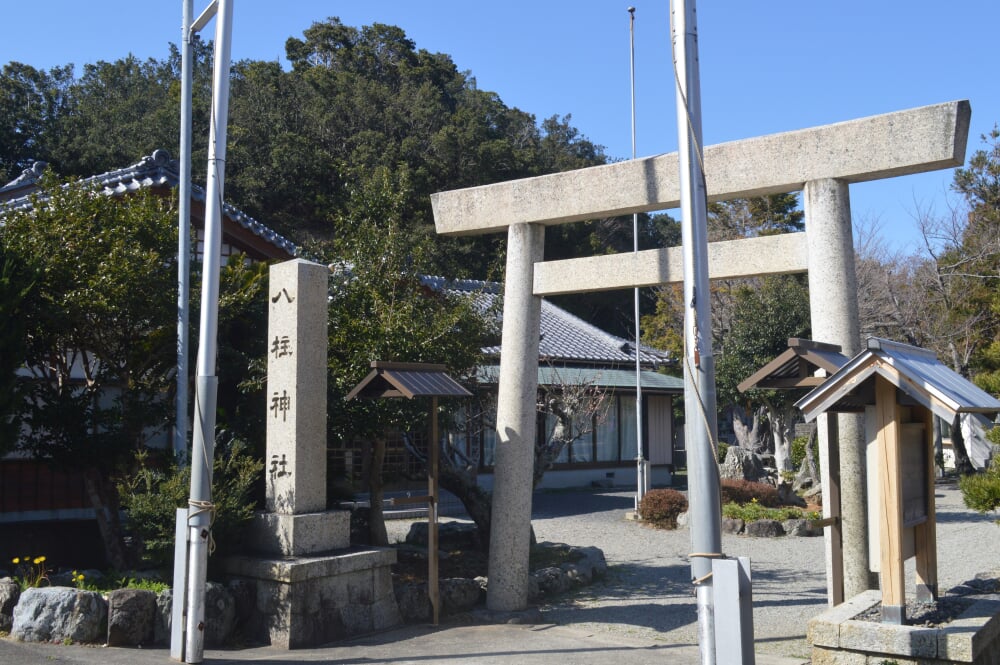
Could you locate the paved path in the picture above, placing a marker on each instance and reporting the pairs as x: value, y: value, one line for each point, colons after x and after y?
x: 647, y: 594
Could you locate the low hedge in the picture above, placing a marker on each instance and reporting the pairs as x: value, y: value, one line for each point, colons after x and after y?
x: 660, y: 508
x: 745, y: 491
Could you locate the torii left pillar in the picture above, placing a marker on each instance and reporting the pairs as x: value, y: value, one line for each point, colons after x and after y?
x: 510, y: 531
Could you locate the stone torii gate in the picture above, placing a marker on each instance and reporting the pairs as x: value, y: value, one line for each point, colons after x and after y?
x: 822, y: 162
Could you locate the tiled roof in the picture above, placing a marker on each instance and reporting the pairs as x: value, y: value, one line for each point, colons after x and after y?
x: 620, y: 379
x: 156, y: 170
x: 914, y: 371
x: 565, y: 337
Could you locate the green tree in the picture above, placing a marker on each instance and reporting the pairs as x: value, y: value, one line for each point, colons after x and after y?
x: 380, y: 309
x: 763, y: 319
x: 979, y: 184
x: 99, y: 320
x: 32, y: 104
x: 15, y: 284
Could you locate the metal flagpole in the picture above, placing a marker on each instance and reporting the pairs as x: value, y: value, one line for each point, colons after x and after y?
x: 184, y: 238
x: 641, y: 471
x: 203, y: 447
x: 699, y: 364
x: 178, y: 609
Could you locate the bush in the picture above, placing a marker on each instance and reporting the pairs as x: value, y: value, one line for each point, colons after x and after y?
x: 753, y: 511
x: 981, y: 491
x: 799, y: 445
x: 661, y: 508
x: 151, y: 497
x: 745, y: 491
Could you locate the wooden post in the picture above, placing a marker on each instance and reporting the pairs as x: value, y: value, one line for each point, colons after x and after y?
x: 433, y: 592
x: 925, y: 534
x: 890, y: 517
x: 830, y: 470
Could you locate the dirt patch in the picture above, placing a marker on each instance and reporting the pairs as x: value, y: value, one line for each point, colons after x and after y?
x: 411, y: 565
x: 928, y: 615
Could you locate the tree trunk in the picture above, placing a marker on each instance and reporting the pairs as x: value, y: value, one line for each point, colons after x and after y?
x: 962, y: 462
x: 104, y: 498
x: 746, y: 426
x: 376, y: 519
x: 781, y: 430
x: 478, y: 502
x: 808, y: 475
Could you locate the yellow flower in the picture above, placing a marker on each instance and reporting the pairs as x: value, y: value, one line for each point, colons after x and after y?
x: 16, y: 559
x: 38, y: 560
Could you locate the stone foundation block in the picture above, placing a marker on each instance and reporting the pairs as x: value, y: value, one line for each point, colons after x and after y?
x: 308, y: 601
x: 300, y: 535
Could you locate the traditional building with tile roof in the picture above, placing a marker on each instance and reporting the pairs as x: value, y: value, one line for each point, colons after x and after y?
x: 160, y: 174
x: 574, y: 352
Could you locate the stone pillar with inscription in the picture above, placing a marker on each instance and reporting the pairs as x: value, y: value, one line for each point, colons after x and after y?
x: 311, y: 586
x: 296, y: 521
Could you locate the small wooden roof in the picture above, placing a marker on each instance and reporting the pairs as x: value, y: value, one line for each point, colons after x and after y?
x: 916, y: 372
x: 797, y: 367
x: 389, y: 379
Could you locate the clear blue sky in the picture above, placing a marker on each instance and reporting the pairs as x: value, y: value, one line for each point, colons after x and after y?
x: 766, y: 66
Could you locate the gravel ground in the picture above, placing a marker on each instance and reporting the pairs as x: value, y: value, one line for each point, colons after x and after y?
x: 647, y: 593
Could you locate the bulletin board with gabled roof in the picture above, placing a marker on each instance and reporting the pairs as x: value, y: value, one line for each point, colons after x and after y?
x: 900, y: 388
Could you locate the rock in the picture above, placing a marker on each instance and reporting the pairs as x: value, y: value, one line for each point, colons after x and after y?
x: 788, y: 497
x: 578, y: 574
x: 131, y: 616
x: 244, y: 592
x: 551, y: 580
x: 742, y: 464
x: 10, y: 591
x: 764, y: 529
x: 732, y: 525
x: 451, y: 535
x: 414, y: 604
x: 163, y: 618
x: 814, y: 495
x: 459, y: 594
x: 60, y: 614
x: 801, y: 527
x: 220, y: 615
x: 594, y: 558
x: 682, y: 520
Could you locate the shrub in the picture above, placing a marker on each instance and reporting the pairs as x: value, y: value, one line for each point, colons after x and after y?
x: 745, y: 491
x: 799, y: 445
x: 152, y: 495
x: 721, y: 450
x: 661, y: 508
x: 981, y: 491
x: 753, y: 511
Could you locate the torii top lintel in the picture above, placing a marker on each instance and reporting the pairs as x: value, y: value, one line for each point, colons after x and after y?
x: 916, y: 140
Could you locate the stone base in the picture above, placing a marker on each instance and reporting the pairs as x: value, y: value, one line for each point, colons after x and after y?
x: 839, y: 639
x: 309, y: 601
x: 300, y: 535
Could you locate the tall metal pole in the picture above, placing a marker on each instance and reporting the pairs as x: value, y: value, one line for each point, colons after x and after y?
x: 203, y: 448
x: 642, y: 482
x: 184, y: 237
x: 699, y: 365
